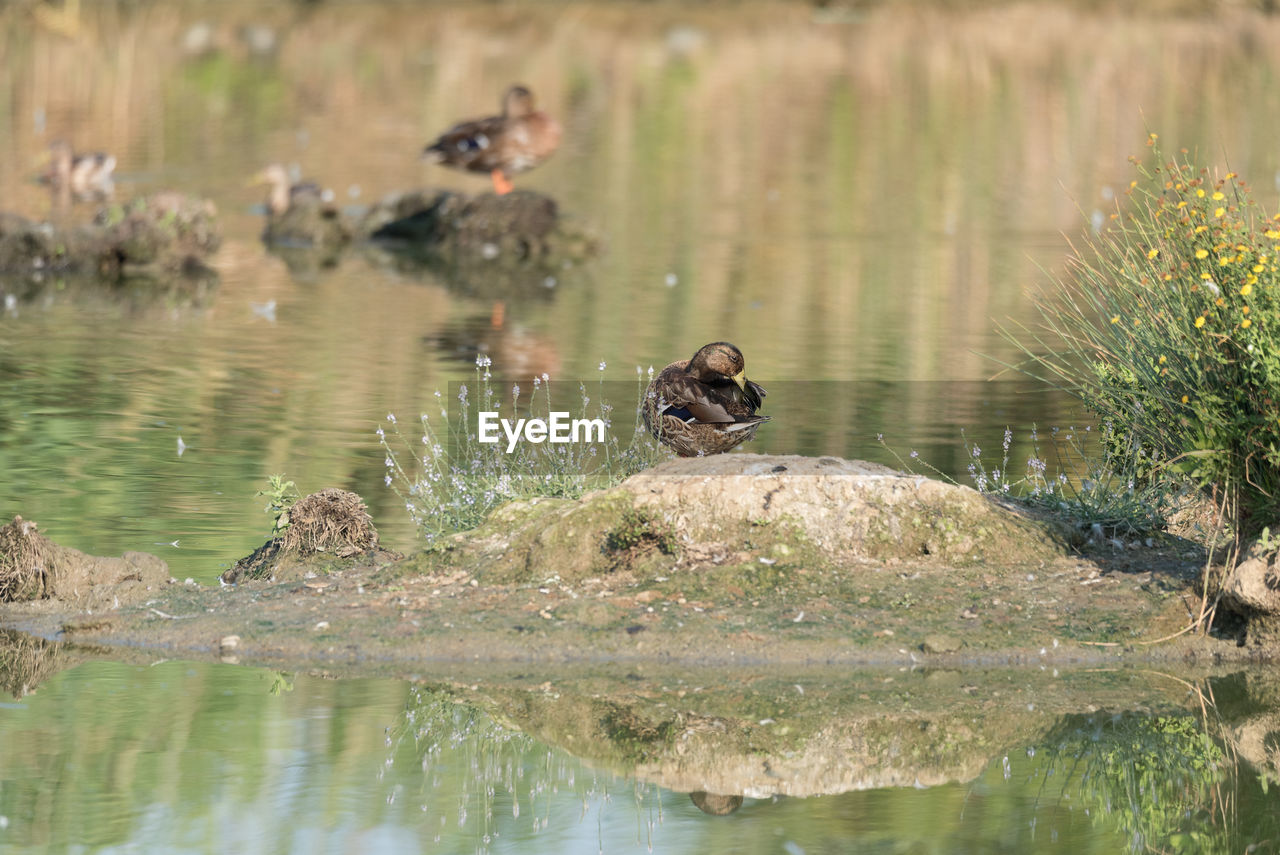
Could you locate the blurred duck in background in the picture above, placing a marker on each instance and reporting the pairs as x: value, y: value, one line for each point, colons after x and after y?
x: 516, y: 141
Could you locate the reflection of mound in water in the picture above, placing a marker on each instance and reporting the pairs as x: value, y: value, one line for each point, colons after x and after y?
x: 715, y: 804
x: 133, y: 296
x: 331, y: 522
x: 515, y: 246
x: 27, y: 661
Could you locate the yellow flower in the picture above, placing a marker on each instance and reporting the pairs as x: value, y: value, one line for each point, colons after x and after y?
x: 1219, y: 302
x: 1200, y: 192
x: 1258, y: 268
x: 1225, y: 260
x: 1184, y: 399
x: 1218, y: 212
x: 1246, y: 290
x: 1153, y: 253
x: 1204, y: 228
x: 1246, y: 323
x: 1244, y: 310
x: 1199, y: 322
x: 1116, y: 319
x: 1202, y: 253
x: 1218, y: 197
x: 1182, y: 204
x: 1162, y: 360
x: 1228, y: 176
x: 1272, y: 234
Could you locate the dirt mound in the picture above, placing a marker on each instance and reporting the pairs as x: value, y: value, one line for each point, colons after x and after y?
x: 158, y: 234
x: 512, y: 247
x: 331, y: 523
x: 32, y: 567
x: 332, y: 520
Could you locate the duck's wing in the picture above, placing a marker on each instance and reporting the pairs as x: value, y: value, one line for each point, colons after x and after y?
x: 692, y: 401
x: 473, y: 144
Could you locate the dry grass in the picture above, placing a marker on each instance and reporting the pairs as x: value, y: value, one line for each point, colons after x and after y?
x: 23, y: 561
x: 332, y: 520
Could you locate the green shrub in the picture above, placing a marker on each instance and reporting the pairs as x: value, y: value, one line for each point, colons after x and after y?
x: 1168, y: 327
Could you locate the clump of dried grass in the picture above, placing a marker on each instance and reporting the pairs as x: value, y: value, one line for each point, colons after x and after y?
x: 23, y: 561
x: 333, y: 521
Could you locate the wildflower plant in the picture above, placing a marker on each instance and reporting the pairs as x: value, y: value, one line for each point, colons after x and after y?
x: 450, y: 481
x: 1169, y: 329
x: 1084, y: 476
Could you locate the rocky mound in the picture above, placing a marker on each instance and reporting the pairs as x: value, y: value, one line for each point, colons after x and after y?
x: 749, y: 509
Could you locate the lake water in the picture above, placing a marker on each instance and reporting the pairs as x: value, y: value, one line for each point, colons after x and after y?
x: 858, y: 197
x: 176, y: 757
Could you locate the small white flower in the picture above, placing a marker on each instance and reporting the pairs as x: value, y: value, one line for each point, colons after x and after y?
x: 391, y: 417
x: 387, y: 479
x: 602, y: 365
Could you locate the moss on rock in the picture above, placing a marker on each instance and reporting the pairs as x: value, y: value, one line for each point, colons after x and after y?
x: 754, y: 511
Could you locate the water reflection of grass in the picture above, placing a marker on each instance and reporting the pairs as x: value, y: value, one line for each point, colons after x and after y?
x: 1160, y: 780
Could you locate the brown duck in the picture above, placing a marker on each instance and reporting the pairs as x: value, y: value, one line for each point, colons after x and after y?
x: 518, y: 140
x: 704, y: 405
x: 283, y: 193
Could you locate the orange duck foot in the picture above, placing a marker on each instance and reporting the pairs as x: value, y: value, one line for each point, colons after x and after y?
x: 501, y: 184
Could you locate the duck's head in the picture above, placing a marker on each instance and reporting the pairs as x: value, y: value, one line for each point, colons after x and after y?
x: 276, y: 177
x: 718, y: 362
x: 721, y: 362
x: 517, y: 102
x: 272, y: 175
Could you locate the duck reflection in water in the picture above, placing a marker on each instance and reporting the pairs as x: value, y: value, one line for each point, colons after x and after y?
x: 516, y: 352
x: 84, y: 177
